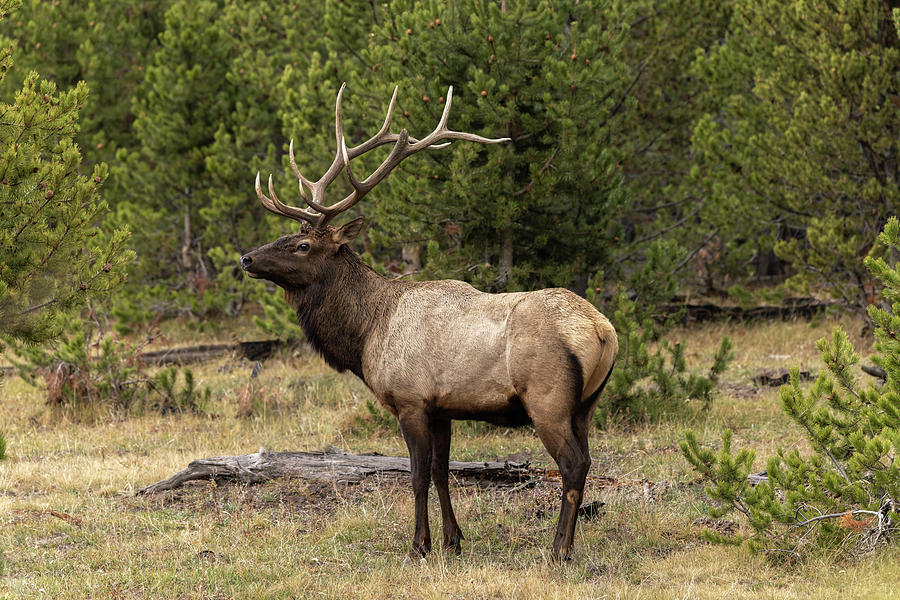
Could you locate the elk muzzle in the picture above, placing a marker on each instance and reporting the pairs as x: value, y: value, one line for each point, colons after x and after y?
x: 247, y: 263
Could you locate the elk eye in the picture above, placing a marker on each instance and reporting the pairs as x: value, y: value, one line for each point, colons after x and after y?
x: 303, y: 247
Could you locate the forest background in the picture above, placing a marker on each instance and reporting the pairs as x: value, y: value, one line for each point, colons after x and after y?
x: 753, y: 143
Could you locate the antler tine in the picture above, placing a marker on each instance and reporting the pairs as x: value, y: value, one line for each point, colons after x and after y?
x: 300, y: 178
x: 338, y: 117
x: 275, y: 205
x: 446, y: 113
x: 361, y: 188
x: 442, y: 132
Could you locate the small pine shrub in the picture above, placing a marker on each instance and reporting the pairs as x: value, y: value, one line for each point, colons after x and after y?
x: 845, y: 495
x: 91, y: 377
x: 376, y: 421
x: 650, y: 379
x: 171, y: 397
x: 278, y: 319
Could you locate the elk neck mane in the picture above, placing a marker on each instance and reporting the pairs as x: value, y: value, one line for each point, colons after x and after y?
x: 343, y: 307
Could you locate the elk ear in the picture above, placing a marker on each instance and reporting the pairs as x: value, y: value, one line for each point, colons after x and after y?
x: 348, y: 232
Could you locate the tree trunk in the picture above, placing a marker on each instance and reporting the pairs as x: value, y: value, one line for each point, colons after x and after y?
x: 506, y: 261
x: 412, y: 258
x: 186, y: 261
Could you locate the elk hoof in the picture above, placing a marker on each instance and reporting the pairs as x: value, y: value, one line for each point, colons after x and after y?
x: 560, y: 557
x: 411, y: 561
x: 453, y: 543
x: 419, y: 551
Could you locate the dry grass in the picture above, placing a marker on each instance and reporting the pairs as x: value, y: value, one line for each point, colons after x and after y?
x: 70, y: 526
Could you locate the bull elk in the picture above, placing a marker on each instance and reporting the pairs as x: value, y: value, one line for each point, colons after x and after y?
x: 434, y: 351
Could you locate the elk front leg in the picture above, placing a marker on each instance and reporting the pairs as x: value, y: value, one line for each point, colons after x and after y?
x: 440, y: 468
x: 419, y: 442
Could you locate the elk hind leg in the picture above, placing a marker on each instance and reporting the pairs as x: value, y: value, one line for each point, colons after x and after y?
x: 440, y: 467
x: 574, y: 460
x: 565, y: 437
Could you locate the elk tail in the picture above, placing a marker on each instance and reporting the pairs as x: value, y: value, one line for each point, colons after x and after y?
x: 609, y: 347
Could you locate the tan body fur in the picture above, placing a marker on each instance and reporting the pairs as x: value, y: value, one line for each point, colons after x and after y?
x: 469, y: 354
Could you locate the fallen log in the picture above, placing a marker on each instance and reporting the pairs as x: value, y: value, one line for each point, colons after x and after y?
x: 875, y: 371
x: 778, y: 377
x: 256, y: 350
x: 332, y: 464
x: 790, y: 308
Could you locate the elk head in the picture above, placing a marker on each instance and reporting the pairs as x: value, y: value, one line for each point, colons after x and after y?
x: 299, y: 259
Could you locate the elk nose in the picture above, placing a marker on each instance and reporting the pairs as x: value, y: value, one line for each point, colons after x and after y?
x: 246, y: 261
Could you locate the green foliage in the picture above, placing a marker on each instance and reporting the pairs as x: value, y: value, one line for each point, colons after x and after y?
x: 551, y: 76
x: 666, y: 37
x: 169, y: 396
x: 650, y: 379
x: 223, y: 84
x: 90, y: 375
x: 713, y: 124
x: 208, y: 98
x: 104, y: 44
x: 278, y: 319
x: 53, y: 257
x: 376, y: 420
x: 2, y: 446
x: 845, y: 493
x: 798, y: 154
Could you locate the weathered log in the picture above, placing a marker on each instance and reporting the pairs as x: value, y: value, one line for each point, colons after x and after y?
x: 257, y: 350
x: 331, y: 464
x: 875, y: 371
x: 779, y: 377
x: 790, y: 308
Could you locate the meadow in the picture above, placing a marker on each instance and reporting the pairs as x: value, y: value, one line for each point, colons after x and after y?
x: 71, y: 525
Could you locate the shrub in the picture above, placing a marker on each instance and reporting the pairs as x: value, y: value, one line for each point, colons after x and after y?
x: 89, y: 376
x: 54, y: 257
x: 845, y: 493
x: 650, y: 382
x: 375, y: 422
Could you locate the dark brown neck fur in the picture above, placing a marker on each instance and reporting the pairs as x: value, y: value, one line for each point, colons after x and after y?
x: 343, y: 307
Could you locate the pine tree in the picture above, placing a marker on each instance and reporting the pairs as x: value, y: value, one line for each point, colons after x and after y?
x: 104, y: 44
x: 53, y: 257
x: 207, y: 120
x: 666, y: 36
x: 845, y: 493
x: 800, y: 154
x: 651, y: 380
x: 543, y: 209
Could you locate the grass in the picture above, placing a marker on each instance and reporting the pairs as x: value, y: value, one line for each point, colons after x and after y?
x: 71, y: 526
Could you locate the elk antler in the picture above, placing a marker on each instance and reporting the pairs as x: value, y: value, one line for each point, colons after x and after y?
x: 404, y: 146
